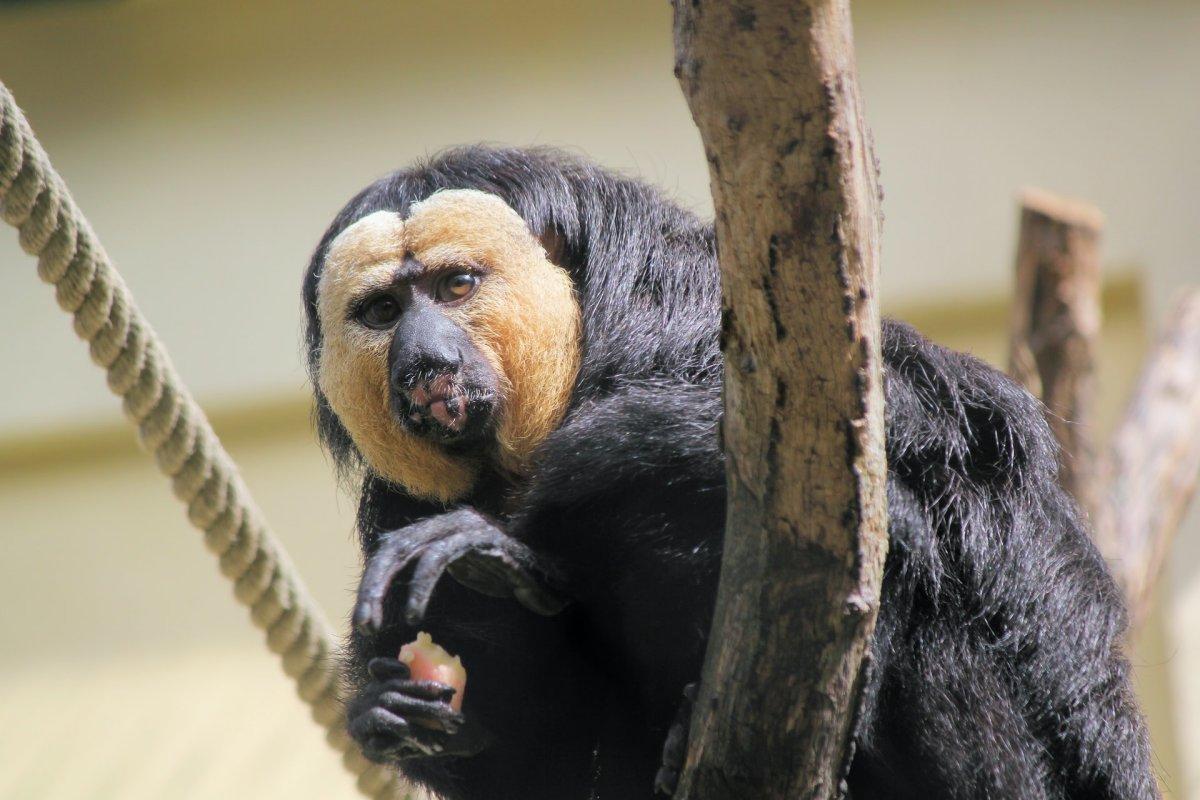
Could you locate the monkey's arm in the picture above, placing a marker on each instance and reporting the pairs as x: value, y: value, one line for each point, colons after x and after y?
x: 648, y: 450
x: 645, y: 450
x: 624, y: 516
x: 530, y: 699
x: 482, y: 557
x: 391, y: 715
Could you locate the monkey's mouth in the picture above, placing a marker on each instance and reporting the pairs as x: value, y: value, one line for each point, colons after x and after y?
x: 445, y: 407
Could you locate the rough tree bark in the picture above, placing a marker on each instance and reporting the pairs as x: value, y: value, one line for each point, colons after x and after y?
x: 772, y: 85
x: 1150, y: 472
x: 1056, y: 325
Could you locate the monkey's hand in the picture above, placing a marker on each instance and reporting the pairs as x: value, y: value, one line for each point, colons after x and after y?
x: 395, y: 717
x: 472, y: 548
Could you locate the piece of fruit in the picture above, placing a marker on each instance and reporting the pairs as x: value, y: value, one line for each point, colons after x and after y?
x: 430, y: 662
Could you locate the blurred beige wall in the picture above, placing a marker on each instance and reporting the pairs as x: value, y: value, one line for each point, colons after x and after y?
x: 211, y: 142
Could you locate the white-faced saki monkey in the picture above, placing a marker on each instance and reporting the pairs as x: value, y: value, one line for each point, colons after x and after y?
x: 518, y: 354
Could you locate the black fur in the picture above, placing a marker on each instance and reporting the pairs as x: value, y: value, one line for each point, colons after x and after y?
x: 998, y: 664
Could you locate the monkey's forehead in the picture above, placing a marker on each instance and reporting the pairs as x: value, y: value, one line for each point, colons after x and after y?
x: 468, y: 219
x: 450, y: 226
x: 374, y: 239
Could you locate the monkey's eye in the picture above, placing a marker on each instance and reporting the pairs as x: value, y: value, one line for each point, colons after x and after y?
x: 456, y: 286
x: 379, y: 312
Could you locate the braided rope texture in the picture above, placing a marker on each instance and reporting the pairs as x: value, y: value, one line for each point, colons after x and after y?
x: 35, y: 200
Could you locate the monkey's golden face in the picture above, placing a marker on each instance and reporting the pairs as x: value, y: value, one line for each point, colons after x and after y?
x: 449, y: 340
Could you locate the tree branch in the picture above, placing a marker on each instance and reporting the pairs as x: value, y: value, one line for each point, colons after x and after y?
x: 772, y: 85
x: 1056, y: 325
x: 1153, y: 463
x: 1137, y: 494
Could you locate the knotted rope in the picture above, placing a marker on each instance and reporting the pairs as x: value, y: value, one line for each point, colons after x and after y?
x: 34, y: 199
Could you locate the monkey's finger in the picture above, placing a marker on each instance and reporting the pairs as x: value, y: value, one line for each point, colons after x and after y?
x: 493, y: 558
x: 428, y: 572
x: 438, y: 713
x: 507, y: 566
x: 380, y: 728
x: 426, y: 690
x: 478, y: 572
x: 393, y: 556
x: 383, y: 669
x: 494, y: 568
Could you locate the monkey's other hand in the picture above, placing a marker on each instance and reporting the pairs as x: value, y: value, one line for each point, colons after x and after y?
x: 395, y: 717
x: 471, y: 547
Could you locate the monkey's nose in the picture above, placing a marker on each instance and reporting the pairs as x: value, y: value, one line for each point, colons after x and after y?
x: 424, y: 344
x: 424, y: 364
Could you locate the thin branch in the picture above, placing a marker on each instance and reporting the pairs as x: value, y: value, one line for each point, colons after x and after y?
x: 1153, y: 463
x: 1056, y: 325
x: 773, y: 88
